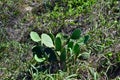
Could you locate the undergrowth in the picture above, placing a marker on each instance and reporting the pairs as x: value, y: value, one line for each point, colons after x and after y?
x: 97, y: 18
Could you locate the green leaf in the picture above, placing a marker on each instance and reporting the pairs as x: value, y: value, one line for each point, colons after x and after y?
x: 63, y: 55
x: 39, y: 59
x: 86, y: 38
x: 70, y: 44
x: 60, y: 35
x: 34, y: 36
x: 76, y: 49
x: 76, y: 34
x: 58, y: 44
x: 46, y: 40
x: 80, y: 41
x: 109, y: 54
x: 51, y: 54
x: 38, y: 50
x: 52, y: 37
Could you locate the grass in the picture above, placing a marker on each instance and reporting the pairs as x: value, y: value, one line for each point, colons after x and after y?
x: 101, y: 22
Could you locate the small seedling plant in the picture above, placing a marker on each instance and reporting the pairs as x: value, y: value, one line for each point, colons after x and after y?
x: 60, y: 49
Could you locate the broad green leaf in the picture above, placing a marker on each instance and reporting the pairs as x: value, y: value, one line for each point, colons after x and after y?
x: 63, y: 55
x: 76, y: 34
x: 76, y: 49
x: 58, y: 44
x: 86, y: 38
x: 34, y: 36
x: 46, y: 40
x: 39, y: 59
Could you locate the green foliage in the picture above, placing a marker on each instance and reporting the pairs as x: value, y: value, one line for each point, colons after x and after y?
x: 39, y: 59
x: 46, y: 40
x: 71, y: 7
x: 64, y: 10
x: 86, y: 38
x: 58, y: 44
x: 60, y: 48
x: 76, y: 34
x: 76, y: 48
x: 63, y: 55
x: 99, y: 19
x: 34, y: 36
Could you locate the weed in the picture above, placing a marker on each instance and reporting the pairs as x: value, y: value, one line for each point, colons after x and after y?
x: 61, y: 49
